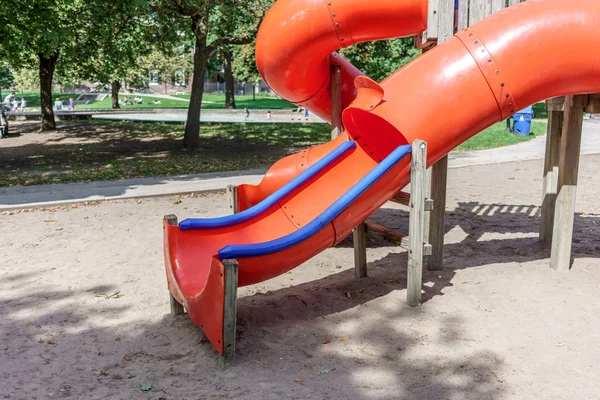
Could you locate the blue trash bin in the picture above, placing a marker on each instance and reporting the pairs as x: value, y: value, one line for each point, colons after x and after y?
x: 523, y: 121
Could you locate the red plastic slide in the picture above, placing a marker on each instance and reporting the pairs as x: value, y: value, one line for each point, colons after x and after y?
x: 311, y: 201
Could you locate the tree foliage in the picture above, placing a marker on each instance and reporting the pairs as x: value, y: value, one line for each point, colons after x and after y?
x: 214, y: 24
x: 382, y: 58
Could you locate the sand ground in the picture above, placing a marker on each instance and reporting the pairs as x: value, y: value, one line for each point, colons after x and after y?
x: 85, y: 309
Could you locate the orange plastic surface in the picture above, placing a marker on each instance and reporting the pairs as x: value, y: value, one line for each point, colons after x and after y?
x: 516, y: 57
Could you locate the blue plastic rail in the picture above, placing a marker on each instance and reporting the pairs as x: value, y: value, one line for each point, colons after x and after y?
x: 230, y: 220
x: 273, y: 246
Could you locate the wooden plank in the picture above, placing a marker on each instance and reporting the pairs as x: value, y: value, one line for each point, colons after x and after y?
x: 445, y: 21
x: 360, y: 251
x: 550, y: 183
x: 432, y: 20
x: 593, y: 106
x: 404, y: 199
x: 513, y: 2
x: 336, y: 101
x: 176, y: 308
x: 232, y: 198
x: 227, y: 359
x: 556, y: 104
x: 476, y: 11
x: 568, y: 169
x: 437, y: 226
x: 416, y: 222
x: 463, y: 14
x: 498, y: 5
x: 393, y: 237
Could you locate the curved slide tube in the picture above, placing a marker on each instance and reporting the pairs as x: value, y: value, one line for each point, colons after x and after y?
x: 444, y: 97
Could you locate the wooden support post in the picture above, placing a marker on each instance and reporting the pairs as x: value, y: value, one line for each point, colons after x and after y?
x: 463, y: 14
x: 437, y: 226
x: 513, y: 2
x: 360, y: 251
x: 176, y: 307
x: 336, y: 101
x: 232, y: 198
x: 416, y: 223
x: 227, y: 359
x: 551, y: 160
x: 568, y: 169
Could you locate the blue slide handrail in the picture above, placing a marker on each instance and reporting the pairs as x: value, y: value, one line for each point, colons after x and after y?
x: 230, y: 220
x: 273, y: 246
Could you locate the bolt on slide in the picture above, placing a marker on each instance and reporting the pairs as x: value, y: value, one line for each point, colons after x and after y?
x: 310, y: 201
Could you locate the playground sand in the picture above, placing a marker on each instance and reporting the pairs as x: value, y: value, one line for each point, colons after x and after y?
x: 84, y: 307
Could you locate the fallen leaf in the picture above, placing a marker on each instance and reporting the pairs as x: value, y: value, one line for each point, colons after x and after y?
x: 298, y: 379
x: 146, y: 386
x: 348, y: 294
x: 127, y: 358
x: 325, y: 371
x: 327, y: 341
x: 370, y: 354
x: 50, y: 220
x: 50, y: 341
x: 560, y: 344
x: 443, y: 313
x: 59, y: 229
x: 344, y: 338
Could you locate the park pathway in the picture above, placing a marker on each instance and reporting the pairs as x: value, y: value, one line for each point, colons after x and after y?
x: 60, y: 194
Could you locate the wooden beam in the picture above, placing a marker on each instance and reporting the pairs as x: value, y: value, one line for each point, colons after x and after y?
x: 227, y: 359
x: 445, y: 21
x: 393, y: 237
x: 404, y: 199
x: 593, y: 106
x: 550, y: 183
x: 360, y: 251
x: 336, y: 101
x: 463, y: 14
x: 416, y: 222
x: 437, y: 225
x: 232, y: 198
x: 175, y: 306
x: 476, y: 11
x: 568, y: 169
x: 432, y: 20
x: 497, y: 5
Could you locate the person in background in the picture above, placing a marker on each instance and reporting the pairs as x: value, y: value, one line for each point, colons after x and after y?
x: 15, y: 104
x: 3, y: 123
x: 247, y: 114
x: 71, y: 104
x: 58, y: 104
x: 23, y: 104
x: 268, y: 115
x: 8, y: 99
x: 306, y: 113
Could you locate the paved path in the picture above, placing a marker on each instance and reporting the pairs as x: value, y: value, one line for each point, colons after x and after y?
x: 46, y: 195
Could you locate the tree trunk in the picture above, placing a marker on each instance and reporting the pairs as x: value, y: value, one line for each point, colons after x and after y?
x: 229, y: 83
x: 191, y: 138
x: 115, y: 86
x: 47, y: 65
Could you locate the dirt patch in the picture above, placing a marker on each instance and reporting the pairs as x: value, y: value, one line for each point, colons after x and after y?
x: 85, y: 307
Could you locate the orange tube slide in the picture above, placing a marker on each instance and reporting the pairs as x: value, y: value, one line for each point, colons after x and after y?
x: 521, y: 55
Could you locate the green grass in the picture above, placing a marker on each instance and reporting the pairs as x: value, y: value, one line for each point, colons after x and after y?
x: 210, y: 102
x: 496, y: 136
x: 104, y: 150
x: 119, y: 150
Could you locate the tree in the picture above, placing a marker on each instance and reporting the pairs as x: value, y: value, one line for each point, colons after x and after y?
x: 226, y: 57
x: 244, y: 65
x: 214, y: 23
x: 382, y: 58
x: 45, y: 30
x: 6, y: 77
